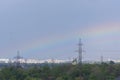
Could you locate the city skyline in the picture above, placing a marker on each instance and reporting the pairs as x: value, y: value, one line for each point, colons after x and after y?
x: 51, y: 29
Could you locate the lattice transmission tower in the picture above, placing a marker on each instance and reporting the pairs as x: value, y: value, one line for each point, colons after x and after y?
x: 17, y: 60
x: 80, y: 51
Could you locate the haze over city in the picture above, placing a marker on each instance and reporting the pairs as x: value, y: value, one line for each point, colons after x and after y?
x: 45, y: 29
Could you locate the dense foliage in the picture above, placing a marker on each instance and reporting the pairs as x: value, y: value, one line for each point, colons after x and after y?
x: 104, y: 71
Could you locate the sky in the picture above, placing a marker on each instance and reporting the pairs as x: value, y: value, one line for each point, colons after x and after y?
x: 45, y: 29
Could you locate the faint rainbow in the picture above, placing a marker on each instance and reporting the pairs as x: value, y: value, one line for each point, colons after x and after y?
x: 47, y: 42
x: 93, y: 31
x: 102, y: 30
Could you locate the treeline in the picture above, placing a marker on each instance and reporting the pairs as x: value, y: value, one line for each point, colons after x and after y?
x: 103, y: 71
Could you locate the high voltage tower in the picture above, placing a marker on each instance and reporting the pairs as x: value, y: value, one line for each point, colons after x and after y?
x: 17, y: 58
x: 80, y: 50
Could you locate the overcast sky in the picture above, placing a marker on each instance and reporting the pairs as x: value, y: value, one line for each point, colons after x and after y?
x: 45, y: 29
